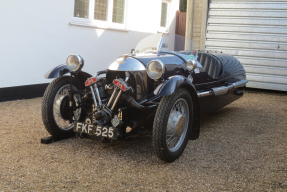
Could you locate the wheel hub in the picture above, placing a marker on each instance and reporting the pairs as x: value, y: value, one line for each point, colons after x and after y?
x: 66, y: 110
x: 179, y: 125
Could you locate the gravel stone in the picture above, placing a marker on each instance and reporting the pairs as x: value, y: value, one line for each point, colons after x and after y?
x: 243, y: 147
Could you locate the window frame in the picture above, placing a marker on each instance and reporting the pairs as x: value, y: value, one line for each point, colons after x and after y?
x: 103, y: 24
x: 164, y: 29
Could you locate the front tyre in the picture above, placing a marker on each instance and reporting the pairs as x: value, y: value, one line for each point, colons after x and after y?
x: 171, y: 128
x: 61, y: 106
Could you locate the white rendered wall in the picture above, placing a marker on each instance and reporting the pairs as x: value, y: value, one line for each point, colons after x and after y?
x: 36, y: 36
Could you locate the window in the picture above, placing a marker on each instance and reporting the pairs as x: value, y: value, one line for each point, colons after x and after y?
x: 81, y: 8
x: 163, y: 19
x: 118, y: 11
x: 100, y: 13
x: 101, y: 10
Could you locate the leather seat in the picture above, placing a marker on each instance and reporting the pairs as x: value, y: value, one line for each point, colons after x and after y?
x: 211, y: 65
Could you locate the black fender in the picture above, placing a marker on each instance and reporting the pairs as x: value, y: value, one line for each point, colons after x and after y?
x: 58, y: 71
x: 61, y: 70
x: 172, y: 85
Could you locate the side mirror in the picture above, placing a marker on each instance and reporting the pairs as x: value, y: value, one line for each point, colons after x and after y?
x: 133, y: 51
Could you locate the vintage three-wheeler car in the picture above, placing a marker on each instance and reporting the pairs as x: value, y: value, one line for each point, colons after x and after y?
x: 152, y: 88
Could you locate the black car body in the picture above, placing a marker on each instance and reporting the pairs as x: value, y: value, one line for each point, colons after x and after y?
x: 165, y: 91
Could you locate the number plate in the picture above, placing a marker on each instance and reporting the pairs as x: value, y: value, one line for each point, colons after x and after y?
x: 108, y: 132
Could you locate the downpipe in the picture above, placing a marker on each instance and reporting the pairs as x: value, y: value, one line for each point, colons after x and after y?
x: 222, y: 90
x: 114, y: 99
x: 116, y: 94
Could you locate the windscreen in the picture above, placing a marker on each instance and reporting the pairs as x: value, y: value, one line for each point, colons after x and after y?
x: 161, y: 42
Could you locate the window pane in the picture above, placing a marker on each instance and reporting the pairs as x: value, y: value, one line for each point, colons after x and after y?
x: 163, y: 14
x: 118, y: 11
x: 101, y: 7
x: 81, y: 8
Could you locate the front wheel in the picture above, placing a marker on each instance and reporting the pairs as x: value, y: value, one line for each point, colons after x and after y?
x: 61, y: 106
x: 171, y: 128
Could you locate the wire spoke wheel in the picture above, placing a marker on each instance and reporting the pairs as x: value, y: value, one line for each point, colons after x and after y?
x: 177, y: 124
x: 61, y: 106
x: 63, y: 111
x: 172, y: 125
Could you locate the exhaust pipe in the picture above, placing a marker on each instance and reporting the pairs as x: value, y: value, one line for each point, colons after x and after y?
x: 133, y: 103
x: 222, y: 90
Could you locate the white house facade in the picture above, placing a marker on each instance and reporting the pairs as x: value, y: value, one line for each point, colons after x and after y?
x: 36, y: 36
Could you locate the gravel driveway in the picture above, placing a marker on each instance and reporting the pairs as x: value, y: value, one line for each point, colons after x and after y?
x: 241, y: 148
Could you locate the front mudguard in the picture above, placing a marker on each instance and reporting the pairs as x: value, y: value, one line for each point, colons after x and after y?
x: 61, y: 70
x: 172, y: 85
x: 58, y: 71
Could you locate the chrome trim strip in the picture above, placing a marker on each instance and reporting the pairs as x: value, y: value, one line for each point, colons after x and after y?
x: 222, y: 90
x: 204, y: 94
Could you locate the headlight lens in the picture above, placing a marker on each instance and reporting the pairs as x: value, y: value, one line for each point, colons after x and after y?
x: 75, y: 62
x: 155, y: 69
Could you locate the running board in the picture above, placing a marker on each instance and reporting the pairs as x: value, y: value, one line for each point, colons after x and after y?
x: 222, y: 90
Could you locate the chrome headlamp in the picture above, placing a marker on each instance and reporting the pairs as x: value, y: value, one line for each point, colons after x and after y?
x: 75, y: 62
x: 191, y: 64
x: 155, y: 69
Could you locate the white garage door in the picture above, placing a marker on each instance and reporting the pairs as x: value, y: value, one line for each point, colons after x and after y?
x: 254, y: 31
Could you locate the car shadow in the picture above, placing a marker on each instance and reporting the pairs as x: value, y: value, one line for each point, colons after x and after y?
x: 134, y: 148
x: 207, y: 118
x: 138, y: 148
